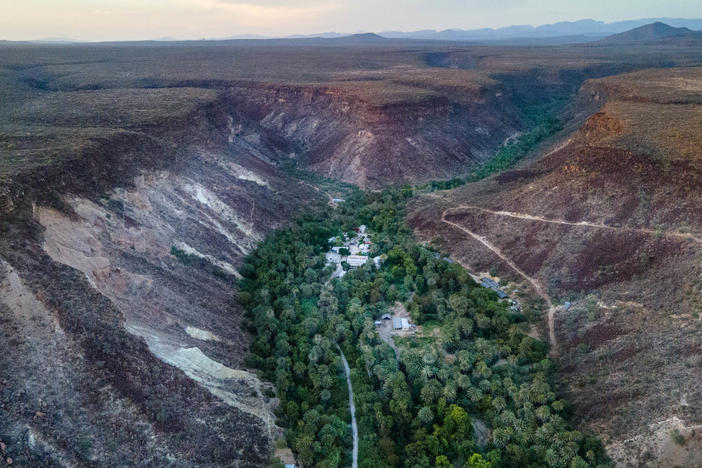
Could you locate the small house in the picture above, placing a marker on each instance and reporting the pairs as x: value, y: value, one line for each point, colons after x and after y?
x: 386, y: 317
x: 378, y: 323
x: 405, y: 324
x: 362, y: 228
x: 491, y: 284
x: 376, y: 260
x: 337, y: 200
x: 356, y: 260
x: 397, y: 323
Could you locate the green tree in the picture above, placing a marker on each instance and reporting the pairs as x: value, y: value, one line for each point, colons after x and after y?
x: 426, y: 416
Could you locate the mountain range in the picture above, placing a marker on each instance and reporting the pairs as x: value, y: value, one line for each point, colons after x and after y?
x: 578, y: 31
x: 652, y: 32
x: 581, y: 31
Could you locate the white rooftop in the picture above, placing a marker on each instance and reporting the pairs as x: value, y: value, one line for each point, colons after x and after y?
x: 356, y: 260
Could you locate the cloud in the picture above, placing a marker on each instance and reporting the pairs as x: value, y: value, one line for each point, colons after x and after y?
x: 273, y: 3
x: 270, y: 14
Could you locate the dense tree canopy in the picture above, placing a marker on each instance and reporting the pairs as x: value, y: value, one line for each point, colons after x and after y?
x: 419, y: 408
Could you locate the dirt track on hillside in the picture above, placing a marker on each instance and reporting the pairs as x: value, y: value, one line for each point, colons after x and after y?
x: 529, y: 217
x: 536, y: 285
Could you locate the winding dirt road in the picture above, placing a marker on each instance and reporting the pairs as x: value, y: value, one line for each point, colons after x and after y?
x: 511, y: 214
x: 536, y: 285
x: 534, y: 282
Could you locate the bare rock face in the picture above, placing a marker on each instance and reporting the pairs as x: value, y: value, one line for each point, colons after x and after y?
x: 132, y: 244
x: 7, y: 197
x: 349, y: 135
x: 124, y: 340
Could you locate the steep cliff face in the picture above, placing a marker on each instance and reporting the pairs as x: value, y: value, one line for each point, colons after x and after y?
x: 122, y: 340
x: 607, y: 220
x: 348, y: 134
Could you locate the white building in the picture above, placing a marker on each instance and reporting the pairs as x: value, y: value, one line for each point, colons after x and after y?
x: 376, y: 260
x: 356, y: 260
x: 405, y: 324
x: 362, y: 228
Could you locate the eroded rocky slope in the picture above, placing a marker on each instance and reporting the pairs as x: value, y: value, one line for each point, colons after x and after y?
x: 122, y: 340
x: 608, y: 221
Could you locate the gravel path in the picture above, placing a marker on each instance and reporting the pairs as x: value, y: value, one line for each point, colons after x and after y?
x: 352, y: 407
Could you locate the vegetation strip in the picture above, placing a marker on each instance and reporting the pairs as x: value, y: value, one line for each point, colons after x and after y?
x: 544, y: 126
x: 469, y: 387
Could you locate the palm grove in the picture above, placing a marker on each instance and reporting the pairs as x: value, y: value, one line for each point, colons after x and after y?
x: 421, y: 406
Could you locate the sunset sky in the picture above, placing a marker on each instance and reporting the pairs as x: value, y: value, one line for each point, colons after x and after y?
x: 196, y: 19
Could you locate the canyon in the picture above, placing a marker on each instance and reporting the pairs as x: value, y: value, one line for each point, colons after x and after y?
x: 135, y: 179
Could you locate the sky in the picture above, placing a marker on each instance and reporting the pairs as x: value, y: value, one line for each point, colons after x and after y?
x: 98, y: 20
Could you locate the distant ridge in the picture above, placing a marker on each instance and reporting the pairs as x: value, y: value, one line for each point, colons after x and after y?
x: 364, y: 37
x: 584, y: 30
x: 651, y: 33
x: 564, y: 32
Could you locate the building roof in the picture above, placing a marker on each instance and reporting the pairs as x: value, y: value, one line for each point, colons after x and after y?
x: 397, y: 323
x: 489, y: 283
x: 386, y: 317
x: 500, y: 293
x: 356, y: 260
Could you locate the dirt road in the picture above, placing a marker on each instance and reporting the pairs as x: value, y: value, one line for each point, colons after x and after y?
x: 536, y: 285
x: 530, y: 217
x: 352, y: 407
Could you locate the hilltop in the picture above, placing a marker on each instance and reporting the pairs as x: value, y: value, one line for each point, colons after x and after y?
x: 652, y: 33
